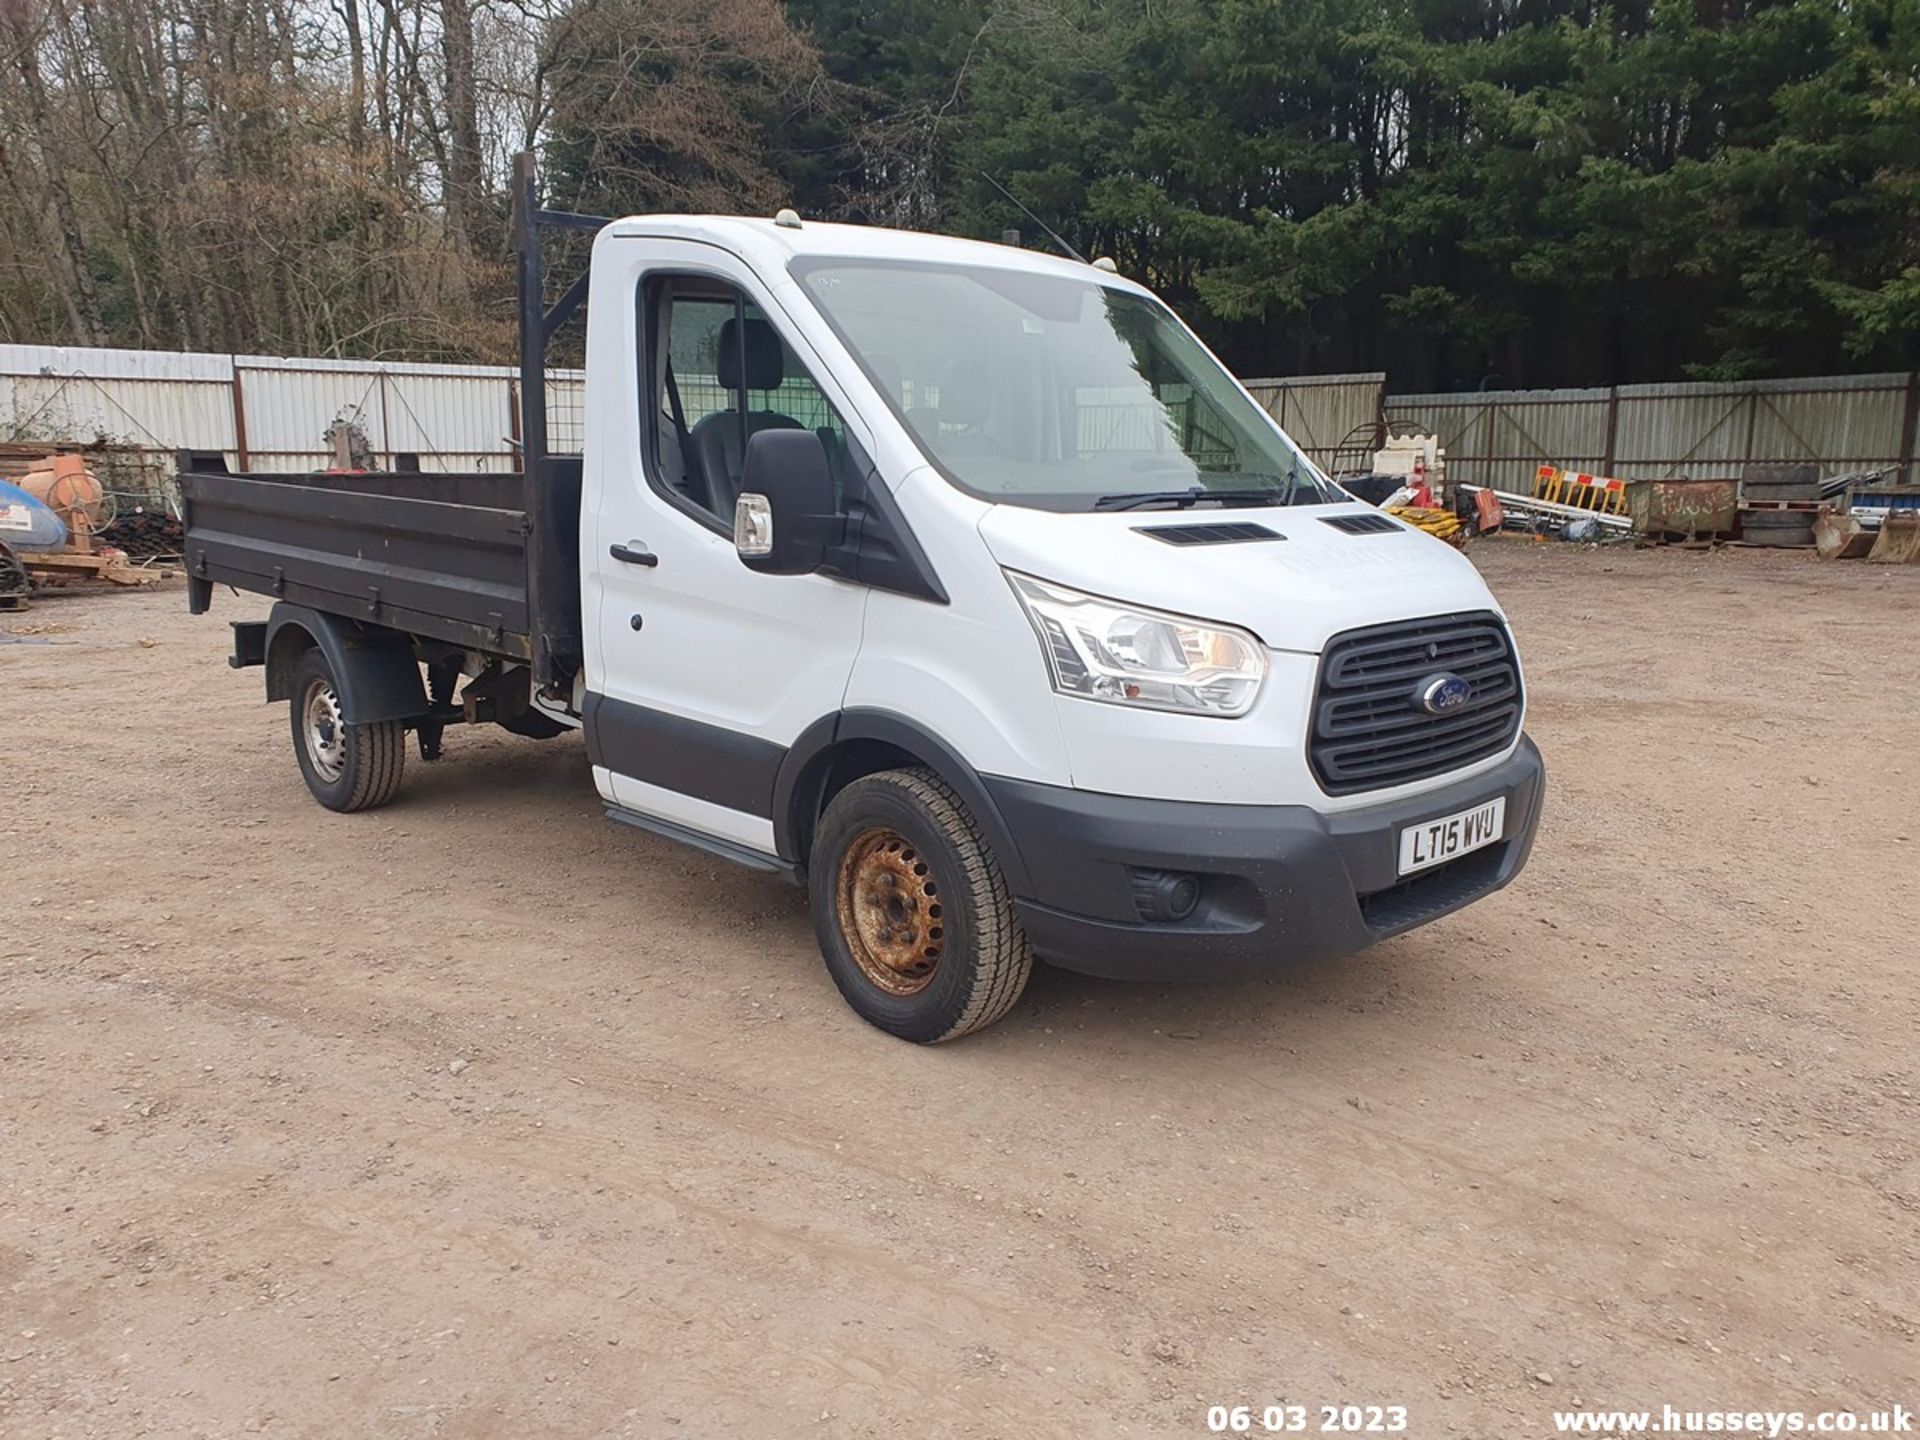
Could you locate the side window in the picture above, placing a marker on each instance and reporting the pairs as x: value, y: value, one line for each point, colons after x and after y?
x: 719, y: 373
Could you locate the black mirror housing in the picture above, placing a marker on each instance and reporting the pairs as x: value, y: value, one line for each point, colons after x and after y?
x: 786, y: 484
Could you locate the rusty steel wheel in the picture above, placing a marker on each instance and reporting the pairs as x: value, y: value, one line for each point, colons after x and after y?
x: 889, y: 907
x: 911, y: 910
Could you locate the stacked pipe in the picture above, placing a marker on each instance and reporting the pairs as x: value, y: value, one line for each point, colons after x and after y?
x: 146, y: 534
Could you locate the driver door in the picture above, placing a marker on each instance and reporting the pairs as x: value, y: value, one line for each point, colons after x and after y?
x: 707, y: 671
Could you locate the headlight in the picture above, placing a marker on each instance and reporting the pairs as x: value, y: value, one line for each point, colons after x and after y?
x: 1130, y: 656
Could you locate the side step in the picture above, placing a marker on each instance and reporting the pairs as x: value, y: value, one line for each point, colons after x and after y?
x: 713, y: 845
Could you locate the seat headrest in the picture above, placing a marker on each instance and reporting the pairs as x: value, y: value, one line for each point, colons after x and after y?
x: 887, y: 375
x: 765, y: 366
x: 966, y: 393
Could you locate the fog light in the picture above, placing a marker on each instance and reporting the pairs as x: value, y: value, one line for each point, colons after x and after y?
x: 1165, y: 895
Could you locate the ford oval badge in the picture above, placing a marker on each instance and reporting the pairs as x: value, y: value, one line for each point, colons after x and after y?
x: 1439, y: 694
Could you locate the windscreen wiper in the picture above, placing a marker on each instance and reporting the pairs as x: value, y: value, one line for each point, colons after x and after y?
x: 1293, y: 483
x: 1188, y: 498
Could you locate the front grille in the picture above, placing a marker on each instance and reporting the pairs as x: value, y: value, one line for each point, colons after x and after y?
x: 1369, y: 728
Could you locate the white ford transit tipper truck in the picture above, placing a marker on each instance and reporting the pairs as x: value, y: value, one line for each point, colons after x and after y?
x: 958, y: 583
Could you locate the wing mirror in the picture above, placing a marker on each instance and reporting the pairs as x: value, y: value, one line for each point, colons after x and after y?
x: 786, y: 517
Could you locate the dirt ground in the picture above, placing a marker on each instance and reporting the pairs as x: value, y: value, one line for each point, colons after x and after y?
x: 479, y: 1116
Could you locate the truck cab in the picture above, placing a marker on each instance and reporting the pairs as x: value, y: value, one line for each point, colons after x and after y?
x: 965, y: 587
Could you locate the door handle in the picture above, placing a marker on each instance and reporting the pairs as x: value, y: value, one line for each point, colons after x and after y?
x: 634, y: 553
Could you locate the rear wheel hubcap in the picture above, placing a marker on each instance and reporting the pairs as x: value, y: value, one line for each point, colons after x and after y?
x: 325, y: 731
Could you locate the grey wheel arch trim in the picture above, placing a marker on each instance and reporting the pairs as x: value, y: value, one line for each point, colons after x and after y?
x: 797, y: 797
x: 374, y: 670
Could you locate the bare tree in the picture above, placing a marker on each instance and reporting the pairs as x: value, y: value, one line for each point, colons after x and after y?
x: 24, y: 35
x: 659, y: 103
x: 328, y: 176
x: 463, y: 183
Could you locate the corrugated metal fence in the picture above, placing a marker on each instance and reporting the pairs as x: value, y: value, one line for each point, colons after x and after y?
x: 268, y: 413
x: 1335, y: 418
x: 1707, y: 431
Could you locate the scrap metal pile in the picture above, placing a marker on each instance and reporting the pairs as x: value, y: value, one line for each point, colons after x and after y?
x: 1869, y: 516
x: 1565, y: 504
x: 52, y: 528
x: 1409, y: 482
x: 1865, y: 514
x: 1784, y: 506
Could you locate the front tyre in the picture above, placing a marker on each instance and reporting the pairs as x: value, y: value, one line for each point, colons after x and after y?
x: 911, y: 910
x: 347, y: 767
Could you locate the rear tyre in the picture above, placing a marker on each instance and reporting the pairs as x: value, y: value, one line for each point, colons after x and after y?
x: 347, y: 767
x: 911, y: 910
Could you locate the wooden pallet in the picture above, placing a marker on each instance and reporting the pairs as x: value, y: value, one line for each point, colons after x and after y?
x: 1684, y: 539
x: 61, y: 567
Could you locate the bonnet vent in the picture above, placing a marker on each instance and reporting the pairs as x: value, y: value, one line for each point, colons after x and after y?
x: 1226, y: 532
x: 1361, y: 524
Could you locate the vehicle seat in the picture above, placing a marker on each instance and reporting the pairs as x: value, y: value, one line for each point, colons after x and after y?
x: 966, y: 400
x: 719, y: 447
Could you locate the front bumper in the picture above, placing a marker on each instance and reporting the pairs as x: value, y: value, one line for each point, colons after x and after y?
x: 1278, y: 883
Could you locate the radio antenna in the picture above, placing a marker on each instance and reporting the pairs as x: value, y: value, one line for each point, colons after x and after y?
x: 1033, y: 217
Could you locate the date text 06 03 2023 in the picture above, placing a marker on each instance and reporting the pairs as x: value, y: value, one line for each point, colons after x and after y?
x: 1308, y: 1419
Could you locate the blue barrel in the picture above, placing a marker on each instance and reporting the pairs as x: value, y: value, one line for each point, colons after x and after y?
x: 26, y: 524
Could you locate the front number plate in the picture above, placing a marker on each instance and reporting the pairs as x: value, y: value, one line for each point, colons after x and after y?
x: 1452, y: 836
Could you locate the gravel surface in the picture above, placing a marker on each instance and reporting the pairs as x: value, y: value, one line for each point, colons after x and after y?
x: 479, y: 1116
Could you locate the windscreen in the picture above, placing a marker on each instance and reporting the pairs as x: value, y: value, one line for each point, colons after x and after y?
x: 1051, y: 391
